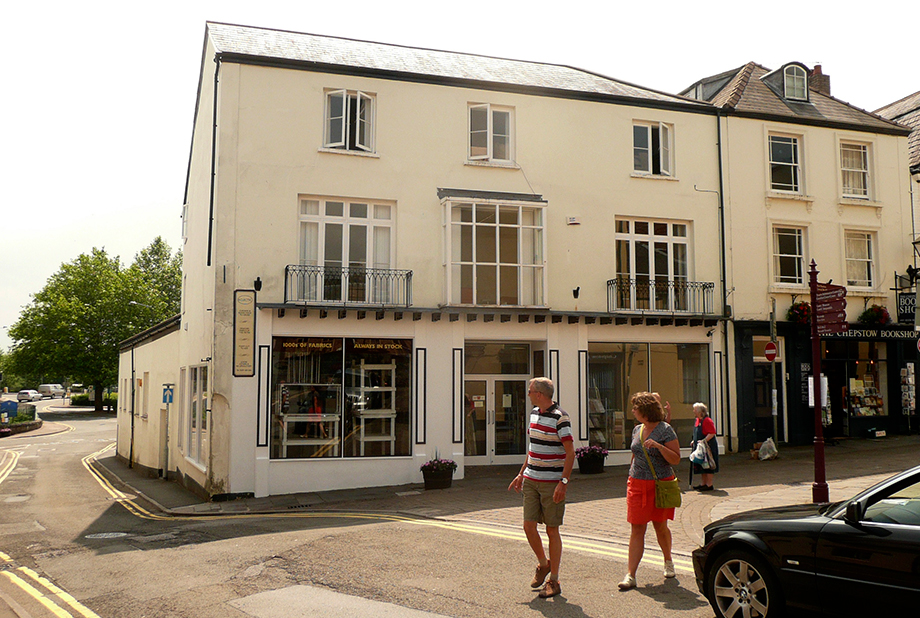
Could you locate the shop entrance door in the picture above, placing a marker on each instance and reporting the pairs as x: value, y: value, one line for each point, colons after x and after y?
x: 497, y: 414
x: 763, y: 403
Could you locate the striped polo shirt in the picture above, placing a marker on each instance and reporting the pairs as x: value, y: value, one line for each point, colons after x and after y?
x: 546, y: 457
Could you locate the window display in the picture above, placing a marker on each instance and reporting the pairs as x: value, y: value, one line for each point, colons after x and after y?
x: 335, y: 397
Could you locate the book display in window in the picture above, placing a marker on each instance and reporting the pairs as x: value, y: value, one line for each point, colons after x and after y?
x: 864, y: 398
x: 908, y: 403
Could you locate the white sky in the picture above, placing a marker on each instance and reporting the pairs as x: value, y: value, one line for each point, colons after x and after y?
x: 96, y: 109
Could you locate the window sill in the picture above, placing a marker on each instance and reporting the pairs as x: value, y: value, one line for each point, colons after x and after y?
x: 808, y: 200
x: 844, y: 201
x: 508, y: 165
x: 652, y: 176
x: 353, y: 153
x: 788, y: 288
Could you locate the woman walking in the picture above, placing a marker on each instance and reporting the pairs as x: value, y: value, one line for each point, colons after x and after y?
x: 652, y: 435
x: 704, y: 429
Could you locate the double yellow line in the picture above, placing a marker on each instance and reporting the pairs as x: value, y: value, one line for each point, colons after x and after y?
x: 14, y: 574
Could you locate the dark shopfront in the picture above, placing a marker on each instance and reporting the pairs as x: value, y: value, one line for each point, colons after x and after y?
x: 870, y: 373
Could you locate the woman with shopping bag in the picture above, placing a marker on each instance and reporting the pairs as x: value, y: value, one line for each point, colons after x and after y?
x: 706, y: 463
x: 655, y: 450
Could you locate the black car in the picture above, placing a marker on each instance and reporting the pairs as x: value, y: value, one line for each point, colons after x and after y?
x: 859, y: 557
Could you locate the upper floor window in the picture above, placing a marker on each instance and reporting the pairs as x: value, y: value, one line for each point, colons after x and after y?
x: 795, y: 83
x: 496, y: 254
x: 785, y: 166
x: 491, y: 133
x: 349, y: 120
x: 351, y: 242
x: 652, y: 148
x: 652, y: 257
x: 860, y: 266
x: 789, y: 255
x: 854, y: 170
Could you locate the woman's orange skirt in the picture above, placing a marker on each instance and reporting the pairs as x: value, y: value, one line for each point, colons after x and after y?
x: 640, y: 502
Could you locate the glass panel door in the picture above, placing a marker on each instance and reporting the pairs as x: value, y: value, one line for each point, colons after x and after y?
x: 497, y: 414
x: 511, y: 415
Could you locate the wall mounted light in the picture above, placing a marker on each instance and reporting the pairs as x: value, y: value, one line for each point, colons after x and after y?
x: 257, y: 284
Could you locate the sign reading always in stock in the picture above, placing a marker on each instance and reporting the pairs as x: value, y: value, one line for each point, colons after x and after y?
x: 244, y: 333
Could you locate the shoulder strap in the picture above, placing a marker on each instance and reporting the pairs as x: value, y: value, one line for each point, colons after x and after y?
x: 647, y: 458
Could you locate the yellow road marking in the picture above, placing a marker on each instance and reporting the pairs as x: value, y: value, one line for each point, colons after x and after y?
x: 9, y: 463
x: 61, y: 594
x: 37, y: 595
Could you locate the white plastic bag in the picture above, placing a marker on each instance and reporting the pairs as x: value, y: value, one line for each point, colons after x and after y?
x: 768, y: 450
x: 700, y: 456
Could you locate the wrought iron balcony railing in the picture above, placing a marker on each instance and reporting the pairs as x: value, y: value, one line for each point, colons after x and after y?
x: 659, y: 296
x: 347, y: 286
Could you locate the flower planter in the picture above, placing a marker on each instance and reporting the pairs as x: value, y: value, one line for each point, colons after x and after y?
x: 438, y: 479
x: 593, y: 465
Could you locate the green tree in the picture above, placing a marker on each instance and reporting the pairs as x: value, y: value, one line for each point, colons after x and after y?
x: 73, y: 326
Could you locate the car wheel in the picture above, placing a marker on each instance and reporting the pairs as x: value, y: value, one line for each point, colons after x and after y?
x: 741, y: 585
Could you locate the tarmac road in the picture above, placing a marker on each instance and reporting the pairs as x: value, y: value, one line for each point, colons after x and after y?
x: 457, y: 552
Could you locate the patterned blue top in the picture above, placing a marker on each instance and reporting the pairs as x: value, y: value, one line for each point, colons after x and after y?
x: 662, y: 434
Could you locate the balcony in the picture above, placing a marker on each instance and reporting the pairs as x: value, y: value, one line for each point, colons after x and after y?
x: 335, y: 285
x: 665, y: 297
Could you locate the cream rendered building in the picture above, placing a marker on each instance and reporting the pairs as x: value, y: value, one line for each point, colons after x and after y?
x: 808, y: 177
x: 383, y: 244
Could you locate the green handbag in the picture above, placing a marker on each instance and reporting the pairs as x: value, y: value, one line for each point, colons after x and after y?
x: 667, y: 493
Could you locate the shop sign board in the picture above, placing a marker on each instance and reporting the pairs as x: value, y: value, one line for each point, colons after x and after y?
x: 244, y: 333
x: 907, y: 305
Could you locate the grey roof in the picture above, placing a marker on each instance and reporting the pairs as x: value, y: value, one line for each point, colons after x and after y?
x: 311, y: 49
x: 744, y: 90
x: 907, y: 112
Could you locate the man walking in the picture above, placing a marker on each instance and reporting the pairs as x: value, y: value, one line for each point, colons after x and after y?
x: 543, y: 480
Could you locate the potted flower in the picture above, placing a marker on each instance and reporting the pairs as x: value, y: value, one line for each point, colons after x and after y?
x: 875, y: 315
x: 590, y: 459
x: 438, y: 473
x: 799, y: 313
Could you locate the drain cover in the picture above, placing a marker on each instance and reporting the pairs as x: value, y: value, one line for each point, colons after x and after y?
x: 106, y: 535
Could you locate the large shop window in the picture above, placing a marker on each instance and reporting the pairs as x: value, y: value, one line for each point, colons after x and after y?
x: 496, y: 254
x: 678, y: 371
x: 857, y: 374
x: 335, y: 397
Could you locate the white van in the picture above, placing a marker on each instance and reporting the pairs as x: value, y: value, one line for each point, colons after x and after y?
x: 52, y: 391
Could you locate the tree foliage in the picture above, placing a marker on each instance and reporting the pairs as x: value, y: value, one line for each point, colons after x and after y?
x: 72, y: 327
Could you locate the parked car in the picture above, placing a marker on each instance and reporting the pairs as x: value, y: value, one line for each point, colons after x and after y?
x: 29, y: 395
x: 859, y: 557
x: 52, y: 390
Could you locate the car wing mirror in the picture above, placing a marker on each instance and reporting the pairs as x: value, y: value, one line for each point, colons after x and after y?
x: 854, y: 512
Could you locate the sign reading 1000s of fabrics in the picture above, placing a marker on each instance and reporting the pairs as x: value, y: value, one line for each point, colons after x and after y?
x: 831, y: 309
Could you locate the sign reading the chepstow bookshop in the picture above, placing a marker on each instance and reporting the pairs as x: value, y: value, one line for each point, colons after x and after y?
x: 877, y: 333
x: 244, y: 333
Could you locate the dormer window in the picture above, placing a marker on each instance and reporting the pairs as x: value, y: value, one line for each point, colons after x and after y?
x: 795, y: 83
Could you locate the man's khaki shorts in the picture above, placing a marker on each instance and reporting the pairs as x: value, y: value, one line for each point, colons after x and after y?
x: 539, y: 505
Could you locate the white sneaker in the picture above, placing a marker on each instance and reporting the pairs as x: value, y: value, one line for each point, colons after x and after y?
x: 628, y: 582
x: 669, y: 569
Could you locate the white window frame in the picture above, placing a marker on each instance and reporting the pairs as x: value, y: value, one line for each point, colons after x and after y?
x: 664, y: 155
x: 778, y: 256
x: 865, y: 172
x: 671, y: 298
x: 795, y: 83
x: 363, y: 125
x: 198, y: 423
x: 380, y: 239
x: 865, y: 263
x: 491, y: 111
x: 530, y: 273
x: 797, y: 187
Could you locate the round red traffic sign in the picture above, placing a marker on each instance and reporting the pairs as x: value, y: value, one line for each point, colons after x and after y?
x: 769, y: 351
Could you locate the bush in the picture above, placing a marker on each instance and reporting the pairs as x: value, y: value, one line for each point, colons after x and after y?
x: 109, y: 400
